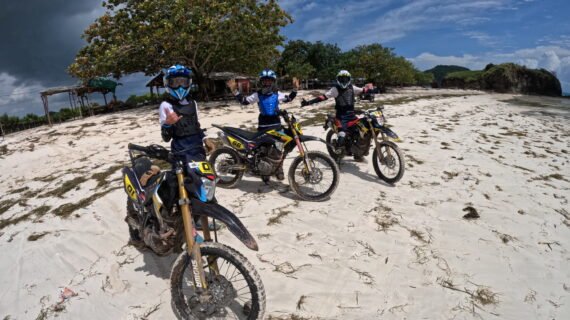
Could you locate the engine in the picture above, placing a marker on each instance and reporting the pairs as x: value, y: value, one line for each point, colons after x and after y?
x: 359, y: 146
x: 267, y: 159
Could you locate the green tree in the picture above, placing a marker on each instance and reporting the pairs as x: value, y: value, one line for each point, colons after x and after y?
x: 147, y: 35
x: 295, y: 54
x: 324, y: 57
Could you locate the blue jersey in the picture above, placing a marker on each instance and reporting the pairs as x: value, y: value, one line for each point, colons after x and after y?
x: 268, y: 104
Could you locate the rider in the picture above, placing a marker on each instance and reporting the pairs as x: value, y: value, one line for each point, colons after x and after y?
x: 179, y: 118
x: 179, y: 115
x: 267, y: 98
x: 344, y: 94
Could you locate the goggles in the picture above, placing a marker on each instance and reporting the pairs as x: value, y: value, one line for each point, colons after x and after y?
x: 178, y: 82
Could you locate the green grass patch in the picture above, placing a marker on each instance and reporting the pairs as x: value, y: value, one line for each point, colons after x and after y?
x: 64, y: 188
x: 101, y: 177
x: 37, y: 212
x: 65, y: 210
x: 37, y: 235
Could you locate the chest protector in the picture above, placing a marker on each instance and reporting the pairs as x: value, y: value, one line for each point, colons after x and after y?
x: 344, y: 101
x: 268, y: 103
x: 188, y: 125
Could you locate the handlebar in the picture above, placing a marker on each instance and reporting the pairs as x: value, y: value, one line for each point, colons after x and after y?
x: 154, y: 151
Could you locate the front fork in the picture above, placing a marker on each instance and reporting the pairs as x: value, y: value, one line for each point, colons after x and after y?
x: 192, y: 248
x: 376, y: 143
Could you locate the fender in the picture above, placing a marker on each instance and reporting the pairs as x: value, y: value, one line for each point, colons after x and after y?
x: 390, y: 133
x: 304, y: 138
x: 216, y: 211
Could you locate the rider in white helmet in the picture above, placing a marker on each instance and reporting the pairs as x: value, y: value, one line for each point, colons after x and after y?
x: 344, y: 94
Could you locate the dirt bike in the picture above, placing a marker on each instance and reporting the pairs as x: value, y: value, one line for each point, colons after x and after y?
x: 313, y: 175
x: 387, y: 158
x: 208, y: 279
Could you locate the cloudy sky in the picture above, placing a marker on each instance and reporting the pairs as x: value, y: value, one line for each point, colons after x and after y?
x: 40, y: 38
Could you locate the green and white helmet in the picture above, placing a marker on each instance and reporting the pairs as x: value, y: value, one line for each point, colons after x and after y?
x: 343, y: 78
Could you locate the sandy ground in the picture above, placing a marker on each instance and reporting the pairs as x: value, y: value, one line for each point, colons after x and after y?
x: 371, y: 251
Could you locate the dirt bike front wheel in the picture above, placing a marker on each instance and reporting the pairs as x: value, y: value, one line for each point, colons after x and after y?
x: 234, y: 289
x: 389, y: 164
x: 318, y: 180
x: 224, y: 160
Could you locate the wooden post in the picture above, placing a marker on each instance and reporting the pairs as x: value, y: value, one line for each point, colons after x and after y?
x: 46, y: 109
x: 74, y: 96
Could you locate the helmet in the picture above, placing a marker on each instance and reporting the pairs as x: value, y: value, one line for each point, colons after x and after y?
x: 177, y: 80
x: 343, y: 78
x: 267, y: 87
x: 267, y: 74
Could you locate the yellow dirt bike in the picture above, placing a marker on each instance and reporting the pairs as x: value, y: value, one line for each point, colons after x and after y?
x: 313, y: 175
x: 208, y: 279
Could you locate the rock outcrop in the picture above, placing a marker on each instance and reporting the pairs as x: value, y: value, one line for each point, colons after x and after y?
x: 506, y: 78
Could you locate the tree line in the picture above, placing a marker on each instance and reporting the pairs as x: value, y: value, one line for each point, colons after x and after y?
x: 373, y: 63
x: 227, y: 35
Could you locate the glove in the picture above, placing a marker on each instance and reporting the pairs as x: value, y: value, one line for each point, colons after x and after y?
x: 304, y: 103
x: 292, y: 95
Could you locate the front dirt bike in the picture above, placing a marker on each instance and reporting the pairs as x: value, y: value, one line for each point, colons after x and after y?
x: 208, y: 279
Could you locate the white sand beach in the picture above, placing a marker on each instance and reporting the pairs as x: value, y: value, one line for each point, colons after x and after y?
x: 372, y: 251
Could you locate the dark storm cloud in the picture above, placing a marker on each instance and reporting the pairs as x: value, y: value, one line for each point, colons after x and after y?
x: 40, y: 38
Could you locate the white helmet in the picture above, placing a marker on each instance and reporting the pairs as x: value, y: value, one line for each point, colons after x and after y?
x: 343, y: 78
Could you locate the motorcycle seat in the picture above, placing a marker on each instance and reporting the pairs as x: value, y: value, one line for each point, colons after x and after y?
x: 349, y: 124
x: 247, y: 135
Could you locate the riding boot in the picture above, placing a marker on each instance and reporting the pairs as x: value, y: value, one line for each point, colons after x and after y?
x: 279, y: 174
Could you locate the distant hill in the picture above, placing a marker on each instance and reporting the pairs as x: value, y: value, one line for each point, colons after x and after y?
x: 506, y: 77
x: 440, y: 71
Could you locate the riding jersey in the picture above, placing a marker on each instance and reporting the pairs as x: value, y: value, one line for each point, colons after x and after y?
x: 186, y: 134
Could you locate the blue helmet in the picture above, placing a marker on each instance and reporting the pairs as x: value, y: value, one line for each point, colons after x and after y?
x: 177, y: 80
x: 267, y: 74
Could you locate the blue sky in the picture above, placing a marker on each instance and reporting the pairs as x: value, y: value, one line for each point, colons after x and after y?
x: 535, y: 33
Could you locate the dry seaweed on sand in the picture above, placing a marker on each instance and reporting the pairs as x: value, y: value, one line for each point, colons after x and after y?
x: 471, y: 213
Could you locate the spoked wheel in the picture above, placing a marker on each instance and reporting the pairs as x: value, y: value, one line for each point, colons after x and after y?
x: 225, y: 160
x: 318, y: 181
x: 331, y: 139
x: 389, y: 165
x: 235, y: 290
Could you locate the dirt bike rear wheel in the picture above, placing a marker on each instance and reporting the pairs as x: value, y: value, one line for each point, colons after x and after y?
x: 227, y: 178
x: 227, y: 290
x: 331, y: 140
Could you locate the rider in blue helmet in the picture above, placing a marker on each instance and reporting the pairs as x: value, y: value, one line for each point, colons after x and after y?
x: 179, y: 115
x: 267, y: 98
x: 179, y: 118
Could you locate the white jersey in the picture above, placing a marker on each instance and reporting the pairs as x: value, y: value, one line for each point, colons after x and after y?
x: 165, y: 105
x: 333, y: 92
x: 253, y: 98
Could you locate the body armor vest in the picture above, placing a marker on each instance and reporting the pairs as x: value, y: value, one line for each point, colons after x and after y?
x: 187, y: 125
x: 268, y: 104
x: 344, y: 102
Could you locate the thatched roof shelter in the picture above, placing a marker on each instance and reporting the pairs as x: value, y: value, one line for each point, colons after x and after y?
x: 78, y: 93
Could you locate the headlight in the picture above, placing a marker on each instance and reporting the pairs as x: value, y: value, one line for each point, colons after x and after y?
x: 209, y: 188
